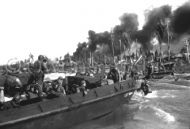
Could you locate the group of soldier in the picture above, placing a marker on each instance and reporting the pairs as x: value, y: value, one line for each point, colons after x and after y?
x: 24, y: 86
x: 36, y: 84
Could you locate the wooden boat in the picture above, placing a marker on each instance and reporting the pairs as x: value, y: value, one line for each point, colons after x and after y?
x: 67, y: 111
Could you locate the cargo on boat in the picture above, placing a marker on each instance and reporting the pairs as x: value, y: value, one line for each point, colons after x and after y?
x: 67, y: 111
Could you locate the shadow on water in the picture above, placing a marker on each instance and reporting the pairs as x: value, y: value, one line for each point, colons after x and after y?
x: 165, y: 108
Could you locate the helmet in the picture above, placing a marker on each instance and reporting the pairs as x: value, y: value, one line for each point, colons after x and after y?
x: 60, y: 78
x: 40, y: 57
x: 45, y: 59
x: 83, y: 82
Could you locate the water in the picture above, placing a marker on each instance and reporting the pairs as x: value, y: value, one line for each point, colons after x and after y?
x: 167, y: 107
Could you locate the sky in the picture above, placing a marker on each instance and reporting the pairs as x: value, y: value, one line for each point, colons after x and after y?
x: 55, y: 27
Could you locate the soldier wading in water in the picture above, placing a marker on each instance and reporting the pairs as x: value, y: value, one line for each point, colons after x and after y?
x: 145, y: 87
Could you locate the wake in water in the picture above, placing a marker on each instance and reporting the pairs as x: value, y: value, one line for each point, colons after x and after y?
x: 151, y: 106
x: 167, y: 107
x: 156, y: 110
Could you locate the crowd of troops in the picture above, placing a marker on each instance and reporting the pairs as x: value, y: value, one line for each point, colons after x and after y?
x: 34, y: 83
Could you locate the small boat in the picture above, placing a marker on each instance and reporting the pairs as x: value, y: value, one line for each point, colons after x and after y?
x: 167, y: 69
x: 66, y: 111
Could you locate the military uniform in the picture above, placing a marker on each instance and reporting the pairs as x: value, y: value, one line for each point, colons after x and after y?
x: 37, y: 78
x: 82, y: 88
x: 114, y: 75
x: 145, y: 87
x: 57, y: 87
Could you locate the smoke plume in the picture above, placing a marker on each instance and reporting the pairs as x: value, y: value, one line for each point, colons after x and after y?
x: 129, y: 22
x: 155, y: 24
x: 98, y: 39
x: 180, y: 21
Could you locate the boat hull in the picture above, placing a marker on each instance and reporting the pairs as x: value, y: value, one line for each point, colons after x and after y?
x: 68, y: 111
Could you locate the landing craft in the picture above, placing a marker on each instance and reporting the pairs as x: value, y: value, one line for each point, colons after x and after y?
x: 70, y: 110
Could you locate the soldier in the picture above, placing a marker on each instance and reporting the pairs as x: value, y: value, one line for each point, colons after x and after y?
x: 38, y: 76
x: 113, y: 74
x: 82, y: 88
x: 47, y: 85
x: 57, y: 87
x: 145, y: 87
x: 44, y: 65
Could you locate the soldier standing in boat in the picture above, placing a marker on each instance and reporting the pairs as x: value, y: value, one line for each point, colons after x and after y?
x: 113, y: 74
x: 38, y: 75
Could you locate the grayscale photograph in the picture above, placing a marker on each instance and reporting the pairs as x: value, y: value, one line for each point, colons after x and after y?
x: 95, y: 64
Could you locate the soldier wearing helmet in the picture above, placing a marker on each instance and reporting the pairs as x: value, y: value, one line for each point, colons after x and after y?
x: 145, y: 87
x: 40, y: 58
x: 82, y: 88
x: 57, y: 87
x: 38, y: 75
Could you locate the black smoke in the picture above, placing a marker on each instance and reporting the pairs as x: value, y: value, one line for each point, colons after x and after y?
x: 129, y: 22
x: 180, y: 21
x: 155, y: 24
x: 92, y: 40
x: 100, y: 39
x: 127, y: 31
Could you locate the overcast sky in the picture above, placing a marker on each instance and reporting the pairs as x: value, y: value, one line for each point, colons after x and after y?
x: 55, y: 27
